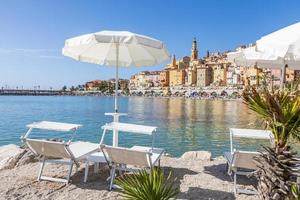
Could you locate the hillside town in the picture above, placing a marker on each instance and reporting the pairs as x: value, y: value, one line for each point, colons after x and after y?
x: 212, y: 75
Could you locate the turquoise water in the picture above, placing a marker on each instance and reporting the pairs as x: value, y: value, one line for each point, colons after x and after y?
x: 183, y: 124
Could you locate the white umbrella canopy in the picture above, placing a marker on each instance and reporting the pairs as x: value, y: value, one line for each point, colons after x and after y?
x: 250, y: 56
x: 279, y: 49
x: 282, y: 44
x: 118, y: 49
x: 101, y: 48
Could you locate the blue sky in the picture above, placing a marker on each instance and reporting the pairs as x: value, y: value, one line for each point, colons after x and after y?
x: 33, y: 32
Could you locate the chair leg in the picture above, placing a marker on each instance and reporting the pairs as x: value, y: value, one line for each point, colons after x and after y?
x: 70, y: 171
x: 86, y: 171
x: 234, y: 183
x: 41, y: 169
x: 112, y: 177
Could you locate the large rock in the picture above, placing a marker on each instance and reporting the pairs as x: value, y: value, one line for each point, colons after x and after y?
x: 196, y: 155
x: 10, y: 155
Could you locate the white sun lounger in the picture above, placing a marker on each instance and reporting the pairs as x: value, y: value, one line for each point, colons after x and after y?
x: 68, y: 153
x: 130, y: 159
x: 98, y: 157
x: 241, y: 162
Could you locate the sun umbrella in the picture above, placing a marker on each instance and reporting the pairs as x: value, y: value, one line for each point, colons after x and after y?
x: 118, y: 49
x: 279, y: 49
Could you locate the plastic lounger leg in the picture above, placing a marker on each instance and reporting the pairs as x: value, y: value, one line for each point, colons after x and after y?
x: 112, y: 177
x: 234, y: 184
x: 41, y: 169
x: 86, y: 171
x: 70, y: 171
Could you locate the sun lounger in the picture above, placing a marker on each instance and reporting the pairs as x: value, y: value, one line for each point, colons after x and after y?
x: 68, y: 153
x: 241, y: 162
x: 130, y: 159
x: 98, y: 157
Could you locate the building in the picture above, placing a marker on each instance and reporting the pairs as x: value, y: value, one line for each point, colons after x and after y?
x: 177, y: 71
x: 193, y: 64
x: 204, y: 76
x: 140, y: 80
x: 233, y: 76
x: 154, y: 78
x: 252, y: 76
x: 93, y: 85
x: 219, y: 74
x: 177, y: 77
x: 165, y: 78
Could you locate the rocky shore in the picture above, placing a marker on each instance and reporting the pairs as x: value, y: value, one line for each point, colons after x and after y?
x: 197, y: 174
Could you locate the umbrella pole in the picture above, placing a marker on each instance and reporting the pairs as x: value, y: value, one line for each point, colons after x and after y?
x: 116, y: 116
x: 283, y: 73
x: 117, y: 78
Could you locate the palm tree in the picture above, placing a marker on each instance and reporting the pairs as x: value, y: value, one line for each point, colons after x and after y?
x: 280, y: 111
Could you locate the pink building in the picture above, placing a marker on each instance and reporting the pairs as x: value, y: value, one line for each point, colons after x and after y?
x: 276, y: 74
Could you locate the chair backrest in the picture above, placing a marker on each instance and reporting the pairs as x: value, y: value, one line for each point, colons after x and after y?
x: 244, y: 159
x: 48, y: 148
x: 249, y: 133
x: 120, y: 155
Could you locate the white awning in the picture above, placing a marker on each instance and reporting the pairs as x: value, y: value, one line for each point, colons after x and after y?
x: 131, y: 128
x: 54, y: 126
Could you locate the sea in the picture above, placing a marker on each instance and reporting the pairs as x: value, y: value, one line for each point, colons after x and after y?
x: 182, y: 124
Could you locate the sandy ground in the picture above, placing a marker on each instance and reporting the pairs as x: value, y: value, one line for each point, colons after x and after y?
x: 198, y: 179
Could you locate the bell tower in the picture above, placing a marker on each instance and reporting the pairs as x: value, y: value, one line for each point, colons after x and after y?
x: 194, y: 55
x: 173, y: 62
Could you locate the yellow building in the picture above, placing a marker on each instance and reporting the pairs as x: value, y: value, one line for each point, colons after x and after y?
x: 177, y: 77
x: 251, y: 76
x: 164, y: 78
x: 220, y: 74
x: 177, y: 73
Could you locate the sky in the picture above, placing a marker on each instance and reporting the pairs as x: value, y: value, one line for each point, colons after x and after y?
x: 32, y: 33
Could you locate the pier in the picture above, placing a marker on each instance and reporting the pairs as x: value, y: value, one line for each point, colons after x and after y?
x: 33, y: 92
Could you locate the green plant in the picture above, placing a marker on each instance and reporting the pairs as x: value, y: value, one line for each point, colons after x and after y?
x: 145, y: 185
x: 280, y: 110
x: 296, y: 191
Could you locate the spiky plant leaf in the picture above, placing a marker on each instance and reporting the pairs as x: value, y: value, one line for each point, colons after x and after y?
x: 278, y: 166
x: 145, y: 185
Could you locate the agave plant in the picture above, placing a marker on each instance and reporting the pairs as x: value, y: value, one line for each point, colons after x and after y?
x: 296, y: 192
x: 280, y: 110
x: 145, y: 185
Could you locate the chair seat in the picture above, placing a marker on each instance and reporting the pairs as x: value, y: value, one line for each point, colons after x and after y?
x: 96, y: 157
x: 81, y: 149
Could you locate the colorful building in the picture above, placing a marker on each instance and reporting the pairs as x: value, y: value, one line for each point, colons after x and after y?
x: 164, y: 78
x: 92, y: 85
x: 204, y: 76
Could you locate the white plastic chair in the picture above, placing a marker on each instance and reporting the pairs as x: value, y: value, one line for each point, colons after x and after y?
x: 240, y: 162
x: 130, y: 159
x: 60, y: 153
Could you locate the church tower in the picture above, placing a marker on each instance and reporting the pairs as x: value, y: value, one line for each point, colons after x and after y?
x: 173, y: 62
x: 194, y: 55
